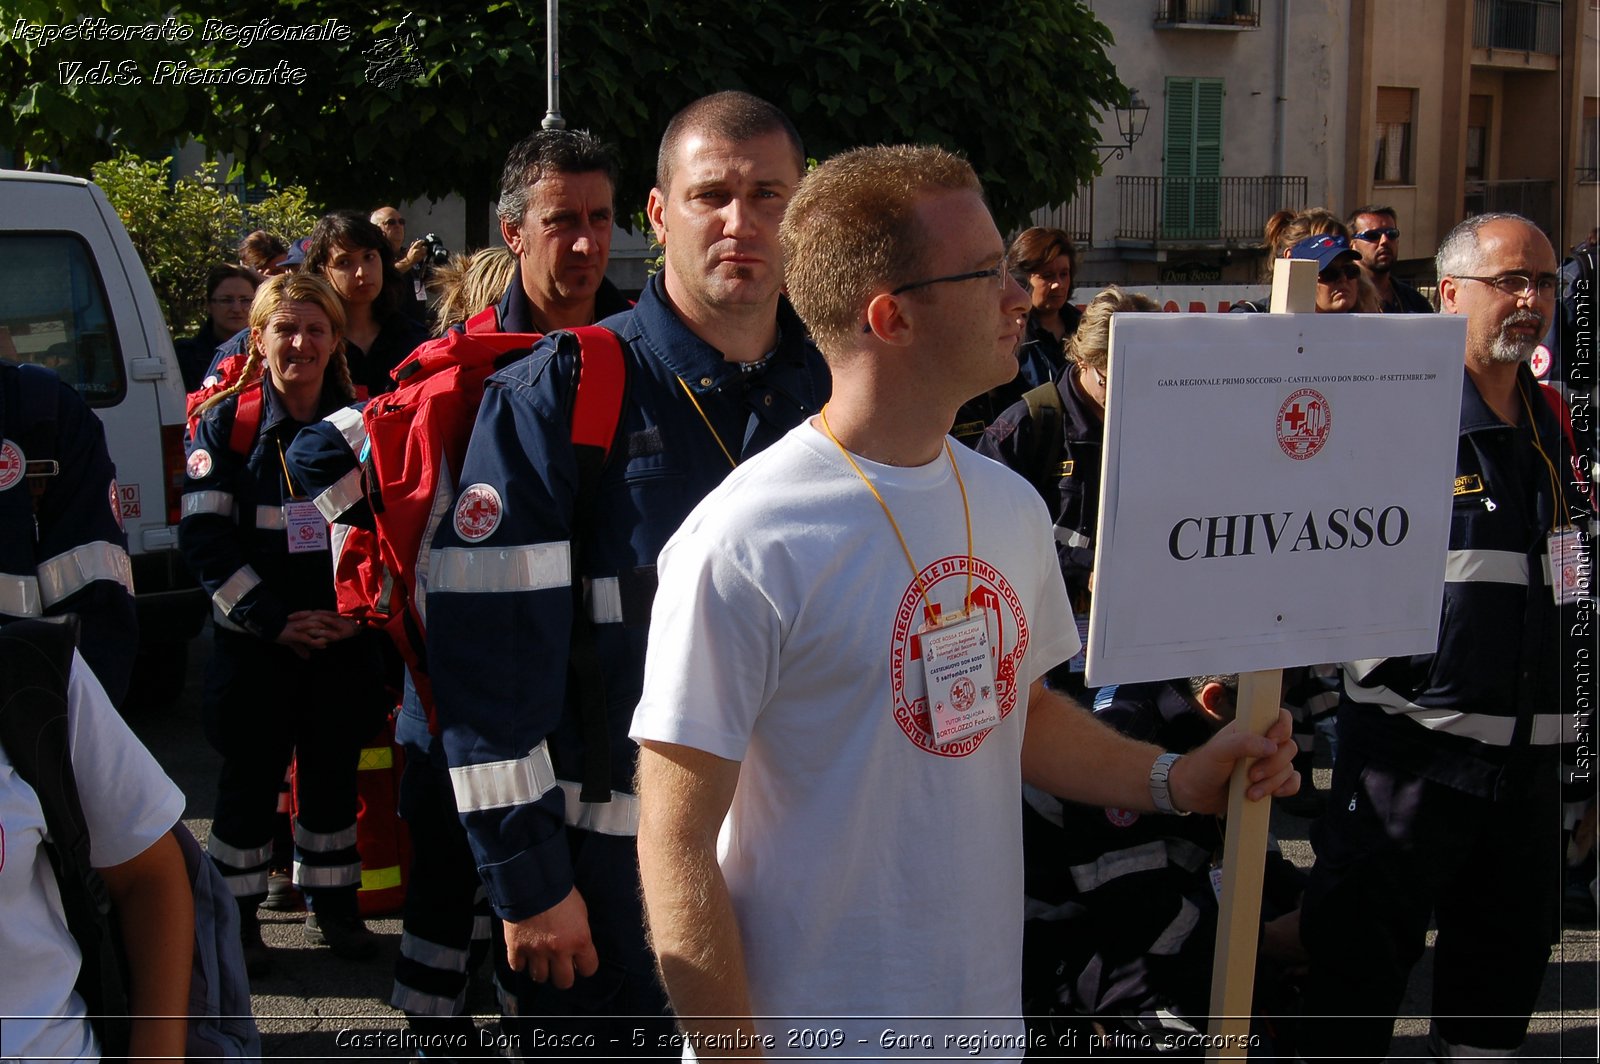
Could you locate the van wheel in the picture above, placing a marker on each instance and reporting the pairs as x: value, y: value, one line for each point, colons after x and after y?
x: 159, y: 674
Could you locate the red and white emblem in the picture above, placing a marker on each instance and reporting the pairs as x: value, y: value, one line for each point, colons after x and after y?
x: 1540, y: 362
x: 199, y: 464
x: 478, y: 512
x: 946, y: 583
x: 12, y: 464
x: 1121, y: 818
x: 1303, y: 423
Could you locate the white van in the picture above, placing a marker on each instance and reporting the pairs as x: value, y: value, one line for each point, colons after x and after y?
x: 74, y: 297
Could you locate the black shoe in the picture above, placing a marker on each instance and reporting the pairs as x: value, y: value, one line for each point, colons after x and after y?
x: 282, y: 895
x: 257, y: 957
x: 347, y: 936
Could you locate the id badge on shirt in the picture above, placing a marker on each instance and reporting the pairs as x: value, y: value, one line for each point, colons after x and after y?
x: 1571, y: 571
x: 308, y: 529
x: 958, y: 667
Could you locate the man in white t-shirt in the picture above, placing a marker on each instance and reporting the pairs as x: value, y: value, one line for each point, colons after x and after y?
x: 130, y: 806
x: 843, y: 691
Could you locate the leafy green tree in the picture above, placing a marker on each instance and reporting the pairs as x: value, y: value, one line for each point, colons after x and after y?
x: 429, y: 103
x: 182, y: 228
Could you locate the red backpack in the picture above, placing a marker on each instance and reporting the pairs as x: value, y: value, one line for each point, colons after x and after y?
x: 247, y: 416
x: 416, y: 442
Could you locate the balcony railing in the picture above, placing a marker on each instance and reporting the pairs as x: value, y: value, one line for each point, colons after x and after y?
x: 1218, y: 14
x: 1202, y: 211
x: 1517, y: 25
x: 1535, y: 200
x: 1076, y: 216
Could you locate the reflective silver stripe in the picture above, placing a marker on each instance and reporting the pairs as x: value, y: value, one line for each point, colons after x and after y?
x: 338, y: 536
x: 1186, y: 854
x: 620, y: 816
x: 1070, y: 538
x: 1494, y: 731
x: 207, y: 502
x: 1550, y: 728
x: 1110, y: 866
x: 234, y: 857
x: 246, y: 885
x: 220, y: 619
x: 1046, y: 805
x: 71, y: 571
x: 271, y: 517
x: 1488, y: 566
x: 344, y: 493
x: 503, y: 783
x: 314, y: 876
x: 323, y: 841
x: 241, y: 583
x: 605, y: 600
x: 431, y: 954
x: 1175, y: 934
x: 348, y: 421
x: 444, y: 493
x: 482, y: 928
x: 416, y: 1003
x: 531, y: 568
x: 19, y: 596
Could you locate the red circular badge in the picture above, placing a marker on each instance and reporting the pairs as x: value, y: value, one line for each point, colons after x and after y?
x: 1540, y: 362
x: 478, y: 512
x: 964, y: 694
x: 1121, y: 818
x: 199, y: 464
x: 1303, y: 423
x: 12, y: 464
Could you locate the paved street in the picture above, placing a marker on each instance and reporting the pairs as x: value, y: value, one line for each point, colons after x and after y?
x: 313, y: 1005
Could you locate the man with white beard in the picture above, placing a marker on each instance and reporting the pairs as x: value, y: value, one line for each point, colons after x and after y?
x: 1445, y: 796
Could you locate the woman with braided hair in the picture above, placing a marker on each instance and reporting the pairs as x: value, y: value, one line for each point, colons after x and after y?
x: 289, y: 676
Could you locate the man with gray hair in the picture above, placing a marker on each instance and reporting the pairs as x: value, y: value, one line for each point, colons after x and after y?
x: 1444, y: 803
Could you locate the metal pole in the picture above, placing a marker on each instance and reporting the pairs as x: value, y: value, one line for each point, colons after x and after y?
x: 552, y: 62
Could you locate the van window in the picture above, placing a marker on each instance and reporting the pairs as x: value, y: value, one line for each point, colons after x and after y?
x: 53, y: 313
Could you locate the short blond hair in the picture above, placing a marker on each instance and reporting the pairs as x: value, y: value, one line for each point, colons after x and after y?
x: 851, y: 228
x: 1091, y: 344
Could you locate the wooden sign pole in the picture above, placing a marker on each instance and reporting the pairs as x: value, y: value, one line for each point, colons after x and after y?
x: 1244, y: 850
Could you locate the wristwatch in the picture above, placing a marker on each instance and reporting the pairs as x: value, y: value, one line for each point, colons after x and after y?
x: 1160, y: 793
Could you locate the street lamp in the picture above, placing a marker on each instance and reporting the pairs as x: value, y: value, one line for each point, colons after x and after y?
x: 1131, y: 118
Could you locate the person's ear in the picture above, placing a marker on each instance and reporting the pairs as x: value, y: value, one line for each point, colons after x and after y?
x: 1216, y: 701
x: 890, y: 317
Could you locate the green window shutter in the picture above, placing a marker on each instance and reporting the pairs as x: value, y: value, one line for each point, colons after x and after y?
x: 1208, y: 157
x: 1178, y: 166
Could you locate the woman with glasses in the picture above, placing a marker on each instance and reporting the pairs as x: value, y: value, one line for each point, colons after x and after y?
x: 1283, y: 232
x: 229, y: 290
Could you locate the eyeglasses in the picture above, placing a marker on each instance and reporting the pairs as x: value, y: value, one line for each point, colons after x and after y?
x: 1000, y: 273
x: 233, y: 301
x: 389, y: 223
x: 1334, y: 274
x: 1374, y: 235
x: 1517, y: 284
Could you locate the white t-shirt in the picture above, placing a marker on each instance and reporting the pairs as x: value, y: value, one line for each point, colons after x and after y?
x: 872, y: 873
x: 129, y: 803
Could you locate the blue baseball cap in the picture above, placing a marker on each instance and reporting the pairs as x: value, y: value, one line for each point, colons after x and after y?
x: 297, y: 253
x: 1323, y: 249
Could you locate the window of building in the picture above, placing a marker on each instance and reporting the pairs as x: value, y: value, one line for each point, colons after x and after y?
x: 1391, y: 156
x: 1192, y: 205
x: 1589, y: 141
x: 1478, y: 110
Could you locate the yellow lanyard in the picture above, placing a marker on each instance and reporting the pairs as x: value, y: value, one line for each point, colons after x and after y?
x: 288, y: 481
x: 916, y: 574
x: 1555, y: 478
x: 709, y: 426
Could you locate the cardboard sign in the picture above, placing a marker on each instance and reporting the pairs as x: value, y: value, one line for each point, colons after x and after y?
x: 1277, y: 491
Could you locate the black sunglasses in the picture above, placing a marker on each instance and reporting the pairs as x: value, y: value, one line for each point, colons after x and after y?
x: 1374, y: 235
x: 1334, y: 274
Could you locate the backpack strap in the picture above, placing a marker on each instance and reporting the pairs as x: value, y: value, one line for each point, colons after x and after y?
x: 596, y: 414
x: 35, y: 664
x: 486, y: 320
x: 246, y: 419
x: 1044, y: 452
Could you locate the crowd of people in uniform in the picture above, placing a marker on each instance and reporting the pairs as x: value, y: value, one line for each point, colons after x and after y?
x: 696, y: 752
